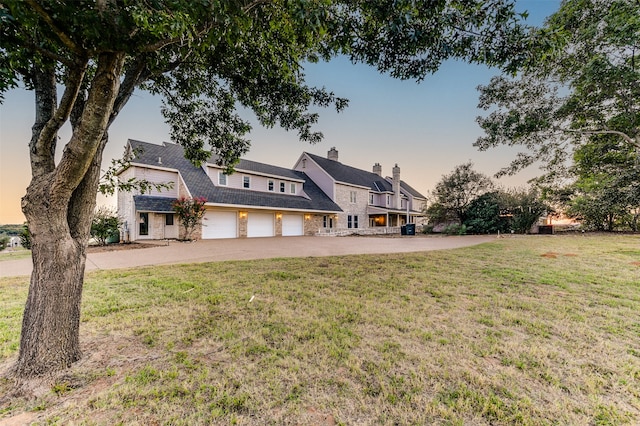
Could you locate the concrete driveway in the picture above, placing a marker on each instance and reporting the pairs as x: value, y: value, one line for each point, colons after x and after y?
x: 255, y: 248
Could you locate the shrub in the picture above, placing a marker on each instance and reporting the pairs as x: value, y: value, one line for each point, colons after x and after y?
x: 455, y: 229
x: 190, y: 212
x: 105, y: 225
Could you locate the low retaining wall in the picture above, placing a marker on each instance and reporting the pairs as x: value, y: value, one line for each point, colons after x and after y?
x: 342, y: 232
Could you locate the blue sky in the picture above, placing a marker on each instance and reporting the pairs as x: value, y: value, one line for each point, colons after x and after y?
x: 427, y: 128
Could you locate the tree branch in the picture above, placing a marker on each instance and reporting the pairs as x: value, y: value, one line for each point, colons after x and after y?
x: 253, y: 5
x: 66, y: 105
x: 64, y: 38
x: 624, y: 136
x: 136, y: 75
x: 80, y: 151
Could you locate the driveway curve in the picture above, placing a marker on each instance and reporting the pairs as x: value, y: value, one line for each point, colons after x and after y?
x: 174, y: 252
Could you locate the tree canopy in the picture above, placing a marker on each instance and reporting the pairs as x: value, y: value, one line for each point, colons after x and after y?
x: 582, y: 79
x: 206, y: 59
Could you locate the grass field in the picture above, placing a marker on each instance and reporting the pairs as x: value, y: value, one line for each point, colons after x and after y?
x: 526, y: 330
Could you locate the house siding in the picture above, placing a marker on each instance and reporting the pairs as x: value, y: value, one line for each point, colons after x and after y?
x: 257, y: 182
x: 159, y: 176
x: 318, y: 175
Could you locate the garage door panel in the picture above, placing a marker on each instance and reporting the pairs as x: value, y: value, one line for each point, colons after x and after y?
x: 260, y: 225
x: 220, y: 225
x: 292, y: 225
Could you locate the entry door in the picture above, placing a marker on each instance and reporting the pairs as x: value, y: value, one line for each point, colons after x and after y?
x: 143, y: 229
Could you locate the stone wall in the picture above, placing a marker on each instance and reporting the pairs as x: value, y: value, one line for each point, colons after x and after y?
x: 313, y: 224
x: 359, y: 208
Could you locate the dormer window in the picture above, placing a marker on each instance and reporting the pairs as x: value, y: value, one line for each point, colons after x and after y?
x: 222, y: 178
x: 246, y: 182
x: 371, y: 199
x: 292, y: 188
x: 282, y: 187
x: 271, y: 185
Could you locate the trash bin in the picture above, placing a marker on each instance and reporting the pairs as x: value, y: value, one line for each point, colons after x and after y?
x: 545, y: 229
x: 403, y: 230
x: 410, y: 229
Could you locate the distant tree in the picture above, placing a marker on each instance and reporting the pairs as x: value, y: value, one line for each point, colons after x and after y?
x: 606, y: 193
x: 25, y: 236
x: 190, y: 212
x: 483, y: 214
x: 582, y: 80
x: 455, y: 191
x: 206, y: 59
x: 4, y: 241
x: 524, y: 207
x: 105, y: 225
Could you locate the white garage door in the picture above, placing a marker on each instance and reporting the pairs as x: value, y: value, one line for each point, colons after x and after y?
x: 260, y: 225
x: 292, y: 225
x: 219, y: 225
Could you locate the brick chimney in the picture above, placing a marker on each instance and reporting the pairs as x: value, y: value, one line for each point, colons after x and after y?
x: 395, y: 183
x: 377, y: 169
x: 333, y: 154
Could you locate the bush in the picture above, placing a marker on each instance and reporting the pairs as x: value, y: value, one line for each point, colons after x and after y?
x: 190, y: 212
x: 105, y: 225
x: 455, y: 229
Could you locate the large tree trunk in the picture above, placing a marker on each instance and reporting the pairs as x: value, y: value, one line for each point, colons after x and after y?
x: 59, y: 205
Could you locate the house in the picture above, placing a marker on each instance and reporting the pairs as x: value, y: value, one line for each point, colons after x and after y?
x: 260, y: 200
x: 367, y: 200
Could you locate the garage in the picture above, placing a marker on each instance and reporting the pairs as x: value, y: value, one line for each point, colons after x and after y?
x: 292, y: 225
x: 260, y: 225
x: 220, y: 224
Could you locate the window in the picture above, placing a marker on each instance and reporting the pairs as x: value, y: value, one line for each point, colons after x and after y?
x: 282, y: 187
x: 168, y: 219
x: 304, y: 163
x: 355, y: 221
x: 388, y: 199
x: 293, y: 188
x: 403, y: 203
x: 327, y: 222
x: 349, y: 224
x: 324, y: 221
x: 352, y: 196
x: 222, y: 178
x: 271, y: 185
x: 371, y: 199
x: 246, y: 181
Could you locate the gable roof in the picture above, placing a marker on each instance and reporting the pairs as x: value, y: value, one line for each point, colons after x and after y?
x: 407, y: 188
x: 171, y: 155
x: 347, y: 174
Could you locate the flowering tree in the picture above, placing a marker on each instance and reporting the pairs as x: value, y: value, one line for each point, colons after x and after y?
x: 190, y: 212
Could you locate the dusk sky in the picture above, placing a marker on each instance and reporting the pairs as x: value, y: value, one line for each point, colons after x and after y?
x: 427, y: 128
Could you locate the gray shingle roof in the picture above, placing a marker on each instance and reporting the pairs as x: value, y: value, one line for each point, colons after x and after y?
x: 348, y: 174
x: 404, y: 185
x: 148, y: 203
x: 199, y: 185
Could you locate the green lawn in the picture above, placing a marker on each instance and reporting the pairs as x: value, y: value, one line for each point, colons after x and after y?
x: 525, y: 330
